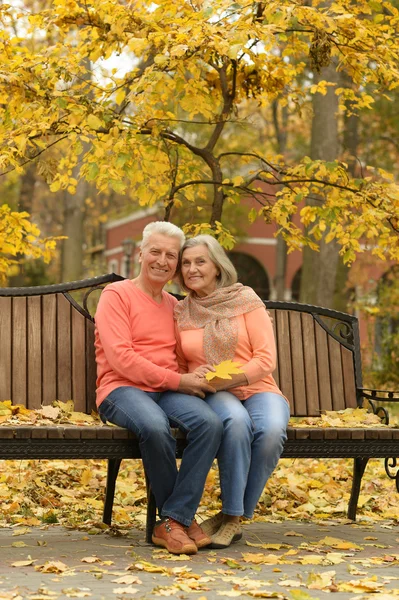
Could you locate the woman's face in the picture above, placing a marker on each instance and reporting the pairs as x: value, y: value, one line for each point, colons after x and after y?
x: 198, y: 271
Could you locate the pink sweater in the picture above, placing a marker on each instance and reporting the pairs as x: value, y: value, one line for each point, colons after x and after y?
x: 135, y: 341
x: 255, y: 351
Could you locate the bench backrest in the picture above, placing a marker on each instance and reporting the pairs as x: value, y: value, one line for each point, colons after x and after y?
x: 47, y: 350
x: 47, y: 345
x: 318, y: 357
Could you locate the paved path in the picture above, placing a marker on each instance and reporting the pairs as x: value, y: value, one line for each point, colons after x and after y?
x: 295, y: 554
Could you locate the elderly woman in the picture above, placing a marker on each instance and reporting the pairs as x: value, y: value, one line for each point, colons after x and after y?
x: 220, y: 320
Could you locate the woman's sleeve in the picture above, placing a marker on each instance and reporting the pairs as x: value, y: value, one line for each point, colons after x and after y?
x: 113, y: 326
x: 261, y: 337
x: 181, y: 359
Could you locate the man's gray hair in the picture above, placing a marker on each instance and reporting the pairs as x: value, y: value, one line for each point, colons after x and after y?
x: 227, y: 272
x: 162, y: 228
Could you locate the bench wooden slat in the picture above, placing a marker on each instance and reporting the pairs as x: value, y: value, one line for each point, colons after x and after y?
x: 5, y: 348
x: 34, y: 352
x: 78, y: 361
x: 310, y: 360
x: 323, y: 368
x: 298, y: 366
x: 90, y: 368
x: 55, y: 433
x: 49, y: 338
x: 19, y: 357
x: 343, y: 434
x: 337, y: 378
x: 6, y: 433
x: 64, y: 367
x: 275, y: 372
x: 39, y: 433
x: 348, y: 371
x: 284, y: 357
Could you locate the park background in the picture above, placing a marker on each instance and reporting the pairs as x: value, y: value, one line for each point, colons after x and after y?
x: 273, y: 126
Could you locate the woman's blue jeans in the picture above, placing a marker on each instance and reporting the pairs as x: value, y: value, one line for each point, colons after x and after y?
x: 149, y: 415
x: 253, y: 440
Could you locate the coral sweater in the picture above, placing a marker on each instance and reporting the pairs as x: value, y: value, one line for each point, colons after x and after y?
x: 134, y: 341
x: 255, y: 351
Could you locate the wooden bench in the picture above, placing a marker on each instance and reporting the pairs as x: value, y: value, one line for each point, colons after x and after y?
x: 47, y: 353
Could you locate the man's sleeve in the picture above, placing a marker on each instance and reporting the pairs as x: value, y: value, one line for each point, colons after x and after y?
x: 113, y: 326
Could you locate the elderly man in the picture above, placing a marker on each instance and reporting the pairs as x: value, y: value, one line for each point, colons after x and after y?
x: 139, y: 388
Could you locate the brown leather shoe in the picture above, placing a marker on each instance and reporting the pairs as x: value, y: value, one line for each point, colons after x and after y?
x: 173, y: 536
x: 197, y: 535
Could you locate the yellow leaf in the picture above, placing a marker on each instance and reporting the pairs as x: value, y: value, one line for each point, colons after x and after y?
x: 224, y: 370
x: 238, y: 180
x: 94, y: 122
x: 53, y: 566
x: 23, y: 563
x: 90, y: 559
x: 339, y: 544
x: 86, y: 477
x: 120, y: 96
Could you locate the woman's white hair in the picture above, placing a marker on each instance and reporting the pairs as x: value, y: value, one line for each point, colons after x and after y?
x: 227, y: 272
x: 162, y: 228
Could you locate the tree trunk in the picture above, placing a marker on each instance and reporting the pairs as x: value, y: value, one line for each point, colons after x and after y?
x: 73, y: 228
x: 281, y: 247
x: 74, y: 214
x: 320, y: 268
x: 27, y: 188
x: 350, y: 147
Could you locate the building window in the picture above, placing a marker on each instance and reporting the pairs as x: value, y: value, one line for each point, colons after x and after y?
x: 296, y: 286
x: 251, y: 272
x: 113, y: 266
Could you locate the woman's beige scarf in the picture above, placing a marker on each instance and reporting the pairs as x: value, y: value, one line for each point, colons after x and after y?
x: 215, y: 314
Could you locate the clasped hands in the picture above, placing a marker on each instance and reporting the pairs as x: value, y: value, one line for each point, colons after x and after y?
x: 196, y: 384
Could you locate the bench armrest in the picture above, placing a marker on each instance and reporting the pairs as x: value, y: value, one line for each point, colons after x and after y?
x: 373, y: 396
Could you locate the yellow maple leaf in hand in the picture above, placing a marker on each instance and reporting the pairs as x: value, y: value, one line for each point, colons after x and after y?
x: 224, y: 370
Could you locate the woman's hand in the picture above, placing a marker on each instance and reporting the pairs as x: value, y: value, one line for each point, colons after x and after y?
x: 236, y: 380
x: 203, y: 370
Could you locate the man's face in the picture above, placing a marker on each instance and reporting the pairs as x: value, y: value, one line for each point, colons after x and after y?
x: 159, y: 258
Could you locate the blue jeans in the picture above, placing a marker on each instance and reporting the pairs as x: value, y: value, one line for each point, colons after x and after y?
x: 149, y: 415
x: 253, y: 440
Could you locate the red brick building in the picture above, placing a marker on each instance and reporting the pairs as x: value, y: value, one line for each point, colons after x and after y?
x: 254, y: 256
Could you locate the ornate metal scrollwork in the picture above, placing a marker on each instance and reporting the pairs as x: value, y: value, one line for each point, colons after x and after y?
x: 392, y: 463
x: 343, y: 330
x: 379, y: 411
x: 339, y: 329
x: 87, y: 294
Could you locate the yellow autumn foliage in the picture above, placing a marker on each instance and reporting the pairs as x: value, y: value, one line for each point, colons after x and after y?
x: 20, y: 237
x: 189, y: 76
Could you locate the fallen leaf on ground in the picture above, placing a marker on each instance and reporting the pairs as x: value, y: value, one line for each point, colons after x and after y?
x: 53, y: 566
x: 127, y: 579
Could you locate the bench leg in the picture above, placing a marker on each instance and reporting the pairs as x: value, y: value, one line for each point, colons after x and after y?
x: 151, y: 512
x: 112, y: 474
x: 359, y: 466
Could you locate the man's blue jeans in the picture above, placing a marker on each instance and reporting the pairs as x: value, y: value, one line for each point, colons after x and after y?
x: 253, y: 440
x: 149, y: 415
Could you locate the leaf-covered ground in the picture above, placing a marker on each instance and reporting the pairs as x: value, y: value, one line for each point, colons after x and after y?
x: 71, y: 493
